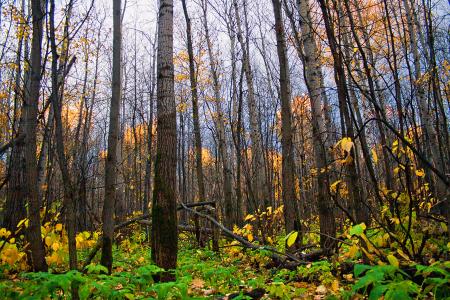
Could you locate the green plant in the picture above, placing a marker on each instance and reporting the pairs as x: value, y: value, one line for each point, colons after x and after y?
x: 317, y: 271
x: 436, y: 279
x: 387, y: 280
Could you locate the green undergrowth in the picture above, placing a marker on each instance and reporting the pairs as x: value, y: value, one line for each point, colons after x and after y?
x: 204, y: 274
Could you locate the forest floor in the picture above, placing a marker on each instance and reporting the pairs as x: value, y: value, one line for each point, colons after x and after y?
x: 232, y: 273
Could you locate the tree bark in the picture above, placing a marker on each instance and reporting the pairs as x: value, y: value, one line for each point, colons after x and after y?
x: 113, y: 139
x: 30, y: 124
x: 291, y: 218
x: 164, y: 216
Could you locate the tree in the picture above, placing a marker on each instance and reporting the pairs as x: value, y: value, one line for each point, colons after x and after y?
x: 257, y: 188
x: 195, y: 117
x: 291, y: 217
x: 69, y: 198
x: 30, y: 124
x: 113, y: 139
x: 164, y: 209
x: 229, y: 219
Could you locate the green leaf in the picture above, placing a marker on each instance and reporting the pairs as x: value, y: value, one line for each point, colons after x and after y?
x: 359, y: 269
x: 358, y: 229
x: 377, y: 292
x: 291, y: 238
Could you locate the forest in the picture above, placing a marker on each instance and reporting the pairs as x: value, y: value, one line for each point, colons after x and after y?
x: 225, y: 149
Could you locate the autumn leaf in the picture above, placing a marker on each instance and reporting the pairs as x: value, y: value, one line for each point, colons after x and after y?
x: 250, y: 237
x: 420, y: 173
x: 374, y: 156
x: 392, y: 260
x: 249, y: 217
x: 197, y: 283
x: 346, y: 144
x: 333, y: 186
x: 291, y: 238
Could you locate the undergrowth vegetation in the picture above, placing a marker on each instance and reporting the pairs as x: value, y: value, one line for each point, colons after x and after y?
x: 234, y: 272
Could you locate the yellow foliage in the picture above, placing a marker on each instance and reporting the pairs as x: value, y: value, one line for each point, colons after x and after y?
x: 374, y: 156
x: 420, y: 173
x: 4, y: 233
x: 10, y: 254
x: 392, y: 260
x: 58, y: 227
x: 250, y: 237
x: 55, y: 258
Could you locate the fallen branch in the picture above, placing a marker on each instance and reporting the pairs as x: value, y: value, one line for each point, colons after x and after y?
x: 278, y: 257
x: 140, y: 218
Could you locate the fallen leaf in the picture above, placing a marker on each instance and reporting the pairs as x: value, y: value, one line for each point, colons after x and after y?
x: 321, y: 290
x: 197, y: 283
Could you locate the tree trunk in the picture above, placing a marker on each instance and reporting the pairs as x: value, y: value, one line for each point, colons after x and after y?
x: 313, y: 81
x: 229, y: 219
x: 164, y: 215
x: 113, y: 139
x: 291, y: 218
x: 30, y: 125
x: 196, y: 121
x: 258, y: 171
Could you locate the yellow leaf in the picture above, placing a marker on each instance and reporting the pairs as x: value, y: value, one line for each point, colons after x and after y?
x: 58, y: 227
x: 48, y: 241
x: 291, y: 238
x: 392, y: 260
x: 55, y: 246
x: 403, y: 254
x: 352, y: 251
x: 374, y: 156
x: 333, y: 186
x: 249, y: 217
x: 346, y: 144
x: 248, y: 227
x: 24, y: 221
x: 4, y: 232
x: 335, y: 286
x: 250, y: 237
x: 269, y: 239
x: 420, y: 173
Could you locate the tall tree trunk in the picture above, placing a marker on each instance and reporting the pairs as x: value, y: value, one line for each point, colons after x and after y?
x: 164, y: 210
x: 291, y: 218
x: 258, y: 171
x: 346, y: 122
x: 113, y: 139
x: 67, y: 182
x: 313, y: 74
x: 196, y: 121
x: 30, y: 124
x: 229, y: 219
